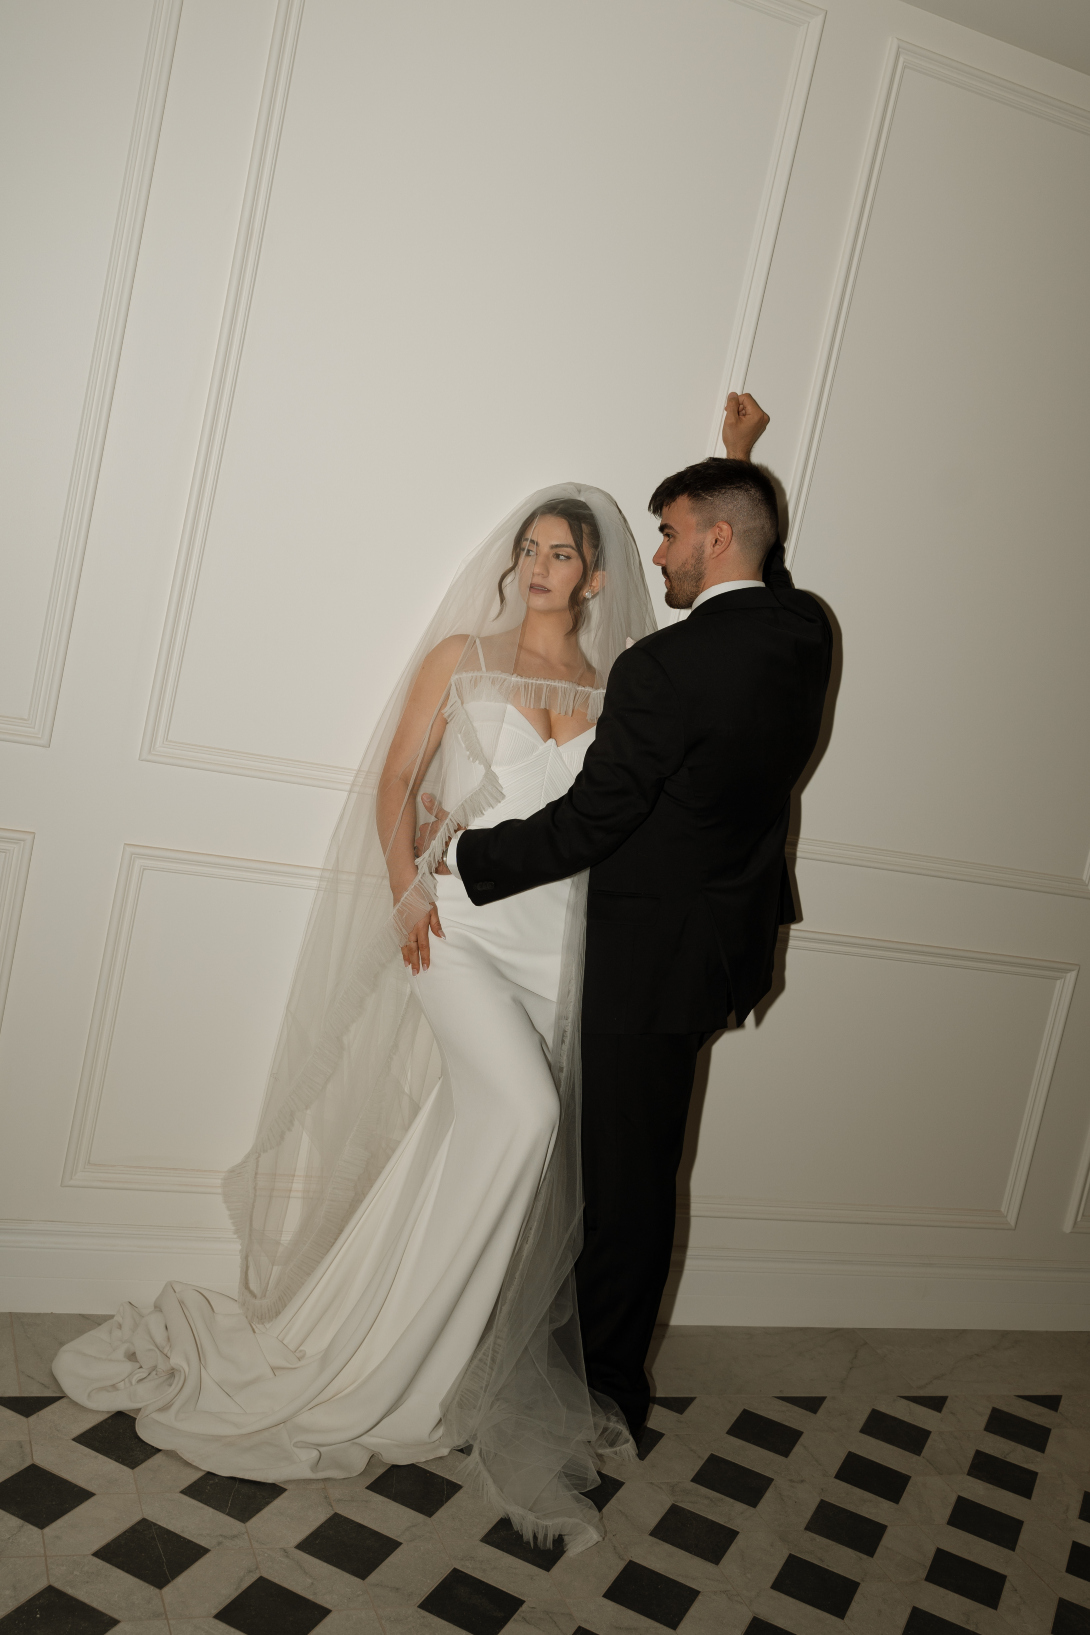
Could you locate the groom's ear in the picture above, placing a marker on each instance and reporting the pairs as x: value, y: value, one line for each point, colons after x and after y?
x: 719, y: 538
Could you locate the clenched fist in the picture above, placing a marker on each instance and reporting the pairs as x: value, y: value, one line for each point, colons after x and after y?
x: 743, y: 422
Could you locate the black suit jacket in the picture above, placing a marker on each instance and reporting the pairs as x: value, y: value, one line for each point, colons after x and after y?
x: 681, y: 813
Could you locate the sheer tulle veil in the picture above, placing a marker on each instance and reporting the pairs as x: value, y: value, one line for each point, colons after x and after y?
x: 356, y: 1059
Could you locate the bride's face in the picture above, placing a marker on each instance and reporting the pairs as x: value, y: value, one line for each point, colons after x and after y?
x: 550, y: 567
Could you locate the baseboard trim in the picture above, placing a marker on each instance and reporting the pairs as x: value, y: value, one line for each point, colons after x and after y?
x: 82, y: 1266
x: 803, y: 1289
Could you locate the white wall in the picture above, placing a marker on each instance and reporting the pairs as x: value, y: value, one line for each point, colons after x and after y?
x: 310, y: 294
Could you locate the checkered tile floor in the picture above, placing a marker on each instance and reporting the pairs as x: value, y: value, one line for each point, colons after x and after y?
x: 769, y: 1515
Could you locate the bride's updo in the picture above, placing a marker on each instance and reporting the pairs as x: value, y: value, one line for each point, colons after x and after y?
x: 583, y: 527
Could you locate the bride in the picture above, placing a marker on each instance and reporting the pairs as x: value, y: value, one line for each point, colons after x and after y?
x: 410, y: 1212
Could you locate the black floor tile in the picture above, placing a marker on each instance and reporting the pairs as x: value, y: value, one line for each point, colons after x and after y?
x: 929, y: 1623
x: 1078, y: 1561
x: 871, y: 1477
x: 349, y: 1545
x: 38, y: 1497
x: 507, y: 1538
x: 984, y: 1522
x: 53, y: 1612
x: 1013, y: 1428
x: 647, y: 1441
x: 733, y: 1481
x: 1070, y: 1619
x: 761, y: 1626
x: 696, y: 1535
x: 264, y: 1607
x: 846, y: 1527
x: 936, y: 1404
x: 770, y: 1434
x: 608, y: 1488
x: 470, y: 1604
x: 897, y: 1433
x: 1012, y: 1478
x: 966, y: 1578
x: 812, y: 1405
x: 152, y: 1553
x: 233, y: 1495
x: 1084, y: 1508
x: 653, y: 1595
x: 424, y: 1491
x: 816, y: 1586
x: 115, y: 1438
x: 27, y: 1405
x: 676, y: 1405
x: 1051, y: 1403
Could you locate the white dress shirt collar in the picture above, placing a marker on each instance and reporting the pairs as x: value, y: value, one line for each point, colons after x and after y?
x: 731, y: 584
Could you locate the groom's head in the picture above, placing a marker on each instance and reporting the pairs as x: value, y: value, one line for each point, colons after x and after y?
x: 718, y: 521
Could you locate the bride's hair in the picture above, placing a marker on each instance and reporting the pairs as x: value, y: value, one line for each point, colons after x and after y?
x: 585, y: 537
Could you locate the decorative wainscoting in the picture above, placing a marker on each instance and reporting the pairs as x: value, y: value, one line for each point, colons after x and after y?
x: 36, y: 725
x: 113, y: 1095
x: 15, y: 848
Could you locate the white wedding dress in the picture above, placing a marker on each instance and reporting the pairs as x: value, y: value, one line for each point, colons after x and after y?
x: 361, y: 1358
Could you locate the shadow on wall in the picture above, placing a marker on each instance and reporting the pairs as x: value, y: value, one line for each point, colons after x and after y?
x: 779, y: 981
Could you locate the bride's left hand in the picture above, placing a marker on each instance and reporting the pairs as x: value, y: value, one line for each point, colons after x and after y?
x: 416, y: 953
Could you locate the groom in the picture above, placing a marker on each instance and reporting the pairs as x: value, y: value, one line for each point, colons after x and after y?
x: 680, y: 813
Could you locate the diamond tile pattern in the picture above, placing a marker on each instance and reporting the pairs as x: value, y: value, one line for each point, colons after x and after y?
x: 824, y: 1506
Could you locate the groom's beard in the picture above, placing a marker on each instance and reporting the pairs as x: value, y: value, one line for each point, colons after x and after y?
x: 684, y: 583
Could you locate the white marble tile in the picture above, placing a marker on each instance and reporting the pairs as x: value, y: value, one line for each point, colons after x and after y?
x: 878, y: 1608
x: 405, y: 1577
x: 141, y: 1626
x: 22, y: 1577
x: 82, y: 1465
x: 166, y: 1472
x: 13, y: 1427
x: 210, y: 1583
x: 195, y: 1521
x: 292, y: 1516
x: 38, y: 1338
x: 317, y: 1580
x: 91, y: 1525
x: 105, y: 1587
x: 801, y: 1361
x: 9, y: 1376
x: 64, y: 1418
x: 372, y: 1510
x: 984, y: 1360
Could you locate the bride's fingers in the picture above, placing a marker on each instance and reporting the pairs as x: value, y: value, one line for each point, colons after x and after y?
x: 424, y: 945
x: 411, y: 958
x: 433, y: 917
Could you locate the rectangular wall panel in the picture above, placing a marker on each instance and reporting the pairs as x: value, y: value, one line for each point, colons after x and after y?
x: 947, y: 536
x: 82, y: 90
x: 194, y: 979
x: 439, y: 327
x: 887, y: 1084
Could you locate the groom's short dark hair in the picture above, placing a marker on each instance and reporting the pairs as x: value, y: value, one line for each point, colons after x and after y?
x: 731, y: 491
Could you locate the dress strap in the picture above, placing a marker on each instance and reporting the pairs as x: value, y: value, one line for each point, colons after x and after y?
x: 480, y: 652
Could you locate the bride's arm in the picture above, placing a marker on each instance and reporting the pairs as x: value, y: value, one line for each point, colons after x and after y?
x: 415, y: 742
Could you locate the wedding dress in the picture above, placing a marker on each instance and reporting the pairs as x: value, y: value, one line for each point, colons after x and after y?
x: 439, y: 1312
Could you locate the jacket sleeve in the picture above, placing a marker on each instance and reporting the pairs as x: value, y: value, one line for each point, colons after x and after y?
x: 640, y: 741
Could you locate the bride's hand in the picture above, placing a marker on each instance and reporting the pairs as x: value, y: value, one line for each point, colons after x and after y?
x: 416, y: 953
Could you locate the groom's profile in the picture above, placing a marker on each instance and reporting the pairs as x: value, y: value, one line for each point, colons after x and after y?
x: 680, y: 814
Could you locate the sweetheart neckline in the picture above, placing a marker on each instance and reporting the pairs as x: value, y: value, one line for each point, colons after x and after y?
x: 530, y: 728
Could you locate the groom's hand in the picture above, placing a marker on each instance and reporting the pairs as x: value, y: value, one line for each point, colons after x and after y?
x: 743, y: 422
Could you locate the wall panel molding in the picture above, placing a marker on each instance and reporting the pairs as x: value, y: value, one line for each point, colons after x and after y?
x: 16, y: 846
x: 36, y: 726
x: 1062, y: 976
x: 904, y: 58
x: 808, y: 21
x: 1077, y: 1218
x: 80, y: 1170
x: 939, y: 868
x: 158, y: 744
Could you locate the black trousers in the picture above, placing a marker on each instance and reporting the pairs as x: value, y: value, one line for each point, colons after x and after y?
x: 636, y: 1090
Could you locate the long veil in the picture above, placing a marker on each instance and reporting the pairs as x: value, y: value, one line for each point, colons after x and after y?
x: 356, y: 1059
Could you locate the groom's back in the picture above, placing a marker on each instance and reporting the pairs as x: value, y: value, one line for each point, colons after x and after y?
x: 682, y: 917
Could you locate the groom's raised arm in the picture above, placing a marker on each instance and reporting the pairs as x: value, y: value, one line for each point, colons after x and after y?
x: 640, y: 741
